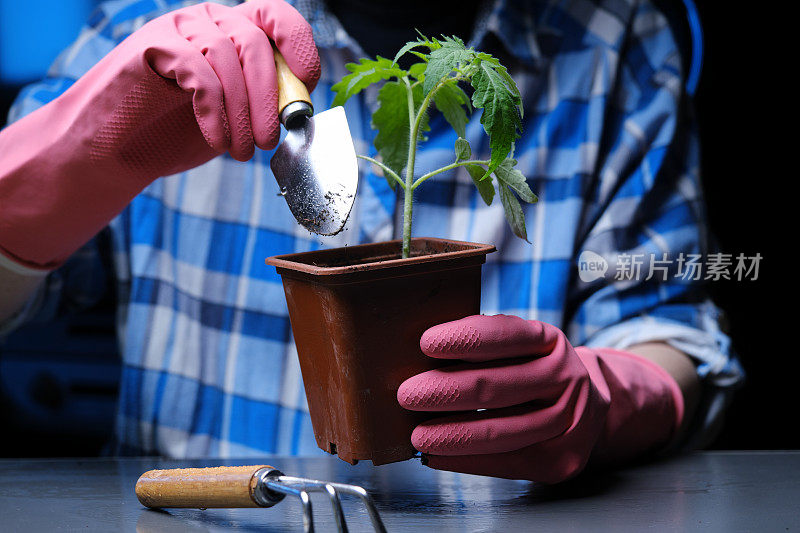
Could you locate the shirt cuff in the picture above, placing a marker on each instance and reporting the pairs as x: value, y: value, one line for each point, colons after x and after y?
x: 24, y: 315
x: 18, y: 268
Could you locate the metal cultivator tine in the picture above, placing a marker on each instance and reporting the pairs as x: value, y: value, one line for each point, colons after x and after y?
x: 305, y: 500
x: 300, y: 487
x: 338, y: 512
x: 363, y: 495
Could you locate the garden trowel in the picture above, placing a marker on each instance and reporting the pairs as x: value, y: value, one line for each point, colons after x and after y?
x: 316, y: 164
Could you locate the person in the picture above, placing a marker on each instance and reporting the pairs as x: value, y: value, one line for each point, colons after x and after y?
x: 557, y: 374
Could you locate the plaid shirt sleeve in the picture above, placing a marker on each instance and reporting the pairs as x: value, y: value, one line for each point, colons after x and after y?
x: 645, y: 214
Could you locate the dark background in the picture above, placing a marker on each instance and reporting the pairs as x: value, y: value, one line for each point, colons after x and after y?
x: 746, y: 110
x: 746, y: 107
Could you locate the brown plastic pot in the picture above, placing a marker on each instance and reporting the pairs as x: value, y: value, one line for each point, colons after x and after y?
x: 357, y: 314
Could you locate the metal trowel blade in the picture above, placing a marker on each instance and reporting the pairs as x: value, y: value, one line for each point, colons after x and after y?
x: 317, y: 171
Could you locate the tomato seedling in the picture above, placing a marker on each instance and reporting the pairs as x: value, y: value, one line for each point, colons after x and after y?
x: 401, y: 119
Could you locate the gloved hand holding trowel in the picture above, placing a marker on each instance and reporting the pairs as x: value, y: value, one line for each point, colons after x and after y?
x: 186, y: 87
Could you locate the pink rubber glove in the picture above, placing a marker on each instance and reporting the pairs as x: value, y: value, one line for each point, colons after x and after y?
x: 548, y: 406
x: 185, y: 88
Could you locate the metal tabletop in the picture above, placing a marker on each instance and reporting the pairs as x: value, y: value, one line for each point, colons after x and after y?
x: 710, y: 491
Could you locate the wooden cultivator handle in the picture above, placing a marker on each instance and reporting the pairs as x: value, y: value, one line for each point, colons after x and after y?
x: 245, y: 486
x: 222, y: 486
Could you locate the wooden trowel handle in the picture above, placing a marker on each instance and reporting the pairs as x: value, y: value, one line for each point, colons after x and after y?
x: 222, y: 486
x: 290, y: 88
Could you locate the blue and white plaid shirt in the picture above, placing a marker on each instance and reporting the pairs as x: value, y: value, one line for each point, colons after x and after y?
x: 210, y: 368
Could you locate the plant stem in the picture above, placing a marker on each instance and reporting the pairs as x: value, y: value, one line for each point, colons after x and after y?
x: 412, y: 153
x: 416, y: 120
x: 386, y: 169
x: 449, y: 167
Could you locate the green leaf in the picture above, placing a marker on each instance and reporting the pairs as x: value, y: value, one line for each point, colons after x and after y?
x: 501, y: 105
x: 364, y: 74
x: 433, y: 44
x: 512, y: 85
x: 417, y: 71
x: 463, y: 150
x: 444, y: 60
x: 514, y: 214
x: 422, y: 41
x: 450, y: 99
x: 506, y: 173
x: 392, y: 122
x: 484, y: 185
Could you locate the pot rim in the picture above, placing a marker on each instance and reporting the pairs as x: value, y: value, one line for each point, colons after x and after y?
x: 295, y: 261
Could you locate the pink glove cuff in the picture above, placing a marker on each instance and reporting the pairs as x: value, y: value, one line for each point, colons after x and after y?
x: 668, y: 381
x: 647, y: 406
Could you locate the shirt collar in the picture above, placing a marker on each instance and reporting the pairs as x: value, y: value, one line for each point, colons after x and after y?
x: 512, y: 22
